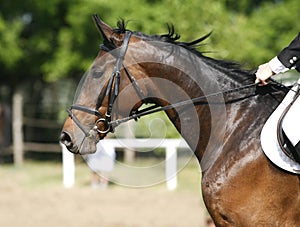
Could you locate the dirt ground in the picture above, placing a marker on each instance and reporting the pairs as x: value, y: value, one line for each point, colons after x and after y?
x: 25, y: 204
x: 90, y: 207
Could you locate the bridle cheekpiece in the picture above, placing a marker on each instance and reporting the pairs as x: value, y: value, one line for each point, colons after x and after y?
x: 111, y: 91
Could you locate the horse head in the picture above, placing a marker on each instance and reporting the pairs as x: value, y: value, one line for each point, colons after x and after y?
x: 98, y: 98
x: 116, y: 85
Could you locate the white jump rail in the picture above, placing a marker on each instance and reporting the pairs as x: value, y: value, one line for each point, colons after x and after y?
x: 170, y: 146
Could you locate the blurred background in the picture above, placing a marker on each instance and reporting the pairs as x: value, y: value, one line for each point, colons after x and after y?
x: 45, y: 48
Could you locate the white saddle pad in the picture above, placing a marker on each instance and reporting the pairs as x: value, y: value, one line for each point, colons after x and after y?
x: 290, y: 125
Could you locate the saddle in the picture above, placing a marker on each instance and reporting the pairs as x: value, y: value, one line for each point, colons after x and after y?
x: 280, y: 136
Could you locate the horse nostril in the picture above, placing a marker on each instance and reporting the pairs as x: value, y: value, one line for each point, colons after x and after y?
x: 66, y: 140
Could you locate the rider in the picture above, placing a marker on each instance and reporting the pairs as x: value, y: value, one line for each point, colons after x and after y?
x: 288, y: 58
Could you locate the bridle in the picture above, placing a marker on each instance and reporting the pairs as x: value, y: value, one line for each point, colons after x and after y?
x: 112, y: 91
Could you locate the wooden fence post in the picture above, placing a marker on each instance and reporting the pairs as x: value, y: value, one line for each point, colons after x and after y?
x: 17, y: 123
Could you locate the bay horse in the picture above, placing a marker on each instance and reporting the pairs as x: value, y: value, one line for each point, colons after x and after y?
x: 214, y: 104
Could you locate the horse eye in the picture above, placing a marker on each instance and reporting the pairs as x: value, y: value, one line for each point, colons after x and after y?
x: 97, y: 74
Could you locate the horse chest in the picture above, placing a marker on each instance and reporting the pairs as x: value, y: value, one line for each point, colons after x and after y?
x: 224, y: 185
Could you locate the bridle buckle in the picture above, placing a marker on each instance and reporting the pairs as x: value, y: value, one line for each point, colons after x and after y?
x: 107, y: 127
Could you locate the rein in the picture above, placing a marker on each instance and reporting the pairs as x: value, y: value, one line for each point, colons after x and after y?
x: 112, y: 91
x: 155, y: 108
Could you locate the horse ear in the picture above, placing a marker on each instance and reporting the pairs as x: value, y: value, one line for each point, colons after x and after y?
x: 106, y: 31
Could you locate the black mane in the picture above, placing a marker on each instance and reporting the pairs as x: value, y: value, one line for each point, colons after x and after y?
x: 228, y: 67
x: 170, y: 37
x: 173, y: 37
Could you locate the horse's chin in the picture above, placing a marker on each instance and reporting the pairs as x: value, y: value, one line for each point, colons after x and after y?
x: 88, y: 147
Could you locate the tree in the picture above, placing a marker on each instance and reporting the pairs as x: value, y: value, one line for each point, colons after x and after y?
x: 42, y: 43
x: 255, y: 38
x: 57, y: 39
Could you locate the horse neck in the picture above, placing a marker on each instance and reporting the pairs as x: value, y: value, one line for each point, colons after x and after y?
x: 184, y: 77
x: 217, y: 121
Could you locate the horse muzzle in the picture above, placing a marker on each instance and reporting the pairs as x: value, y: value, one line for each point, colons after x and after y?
x: 66, y: 140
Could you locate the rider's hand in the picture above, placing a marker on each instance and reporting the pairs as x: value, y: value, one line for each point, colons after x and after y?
x: 263, y: 73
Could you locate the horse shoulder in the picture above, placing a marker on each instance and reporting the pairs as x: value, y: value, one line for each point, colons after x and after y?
x: 233, y: 187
